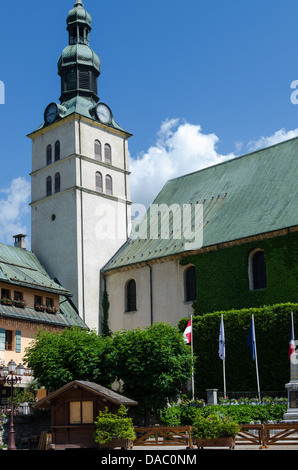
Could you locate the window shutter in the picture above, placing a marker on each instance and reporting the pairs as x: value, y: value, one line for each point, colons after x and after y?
x: 18, y: 341
x: 2, y: 339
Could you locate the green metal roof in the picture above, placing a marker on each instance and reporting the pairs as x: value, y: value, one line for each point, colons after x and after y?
x: 245, y: 196
x: 67, y: 317
x: 20, y: 267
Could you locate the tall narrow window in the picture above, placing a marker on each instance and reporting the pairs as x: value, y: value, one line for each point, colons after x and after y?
x: 190, y: 284
x: 49, y: 154
x: 98, y: 182
x: 131, y: 296
x: 108, y: 154
x: 258, y: 273
x: 57, y: 182
x: 97, y: 150
x: 109, y: 185
x: 8, y: 340
x: 57, y: 150
x: 49, y: 186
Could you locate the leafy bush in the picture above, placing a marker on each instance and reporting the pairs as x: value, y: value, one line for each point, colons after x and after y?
x: 214, y: 426
x: 109, y: 426
x: 243, y: 414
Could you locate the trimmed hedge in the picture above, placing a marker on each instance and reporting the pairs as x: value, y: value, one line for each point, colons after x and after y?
x: 242, y: 414
x: 272, y: 327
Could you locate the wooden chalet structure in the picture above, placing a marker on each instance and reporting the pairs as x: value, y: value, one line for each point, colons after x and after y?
x: 74, y: 408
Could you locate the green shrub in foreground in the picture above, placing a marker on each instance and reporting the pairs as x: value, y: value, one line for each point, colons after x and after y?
x: 213, y: 426
x: 242, y: 414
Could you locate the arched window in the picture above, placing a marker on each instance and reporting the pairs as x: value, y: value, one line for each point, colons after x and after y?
x: 49, y: 186
x: 108, y: 154
x: 49, y: 154
x: 257, y: 270
x: 109, y: 185
x: 57, y: 150
x: 57, y: 182
x: 131, y: 296
x: 98, y: 182
x: 97, y: 150
x: 190, y: 284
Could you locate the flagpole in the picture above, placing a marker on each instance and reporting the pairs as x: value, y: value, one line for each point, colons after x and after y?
x: 292, y: 319
x: 192, y: 364
x: 256, y: 357
x: 224, y: 362
x: 222, y: 352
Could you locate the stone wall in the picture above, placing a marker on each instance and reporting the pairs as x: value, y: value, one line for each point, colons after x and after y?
x: 25, y: 426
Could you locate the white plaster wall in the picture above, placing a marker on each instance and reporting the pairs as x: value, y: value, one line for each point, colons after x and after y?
x: 91, y: 132
x: 64, y: 133
x: 89, y: 227
x: 55, y: 241
x: 101, y: 239
x: 167, y: 295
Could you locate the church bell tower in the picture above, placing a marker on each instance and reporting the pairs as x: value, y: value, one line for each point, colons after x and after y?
x: 80, y: 198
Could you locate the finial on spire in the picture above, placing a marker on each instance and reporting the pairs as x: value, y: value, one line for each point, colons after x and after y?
x: 79, y: 3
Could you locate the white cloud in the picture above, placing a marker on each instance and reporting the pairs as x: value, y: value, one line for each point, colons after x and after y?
x: 180, y: 148
x: 13, y: 208
x: 278, y: 136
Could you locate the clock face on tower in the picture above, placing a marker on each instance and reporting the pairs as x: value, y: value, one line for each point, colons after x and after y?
x: 103, y: 113
x: 51, y: 113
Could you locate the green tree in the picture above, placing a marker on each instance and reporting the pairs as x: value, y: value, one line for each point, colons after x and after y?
x: 153, y: 363
x: 72, y: 354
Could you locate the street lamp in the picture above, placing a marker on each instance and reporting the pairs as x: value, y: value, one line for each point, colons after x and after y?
x: 12, y: 374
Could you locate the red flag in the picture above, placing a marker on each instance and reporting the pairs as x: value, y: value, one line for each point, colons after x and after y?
x: 187, y: 333
x: 291, y: 346
x: 292, y: 340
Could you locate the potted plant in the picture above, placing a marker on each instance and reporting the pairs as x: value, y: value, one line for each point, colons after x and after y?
x: 114, y: 429
x: 214, y: 431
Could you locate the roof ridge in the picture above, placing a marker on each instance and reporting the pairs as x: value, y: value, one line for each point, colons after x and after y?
x: 232, y: 159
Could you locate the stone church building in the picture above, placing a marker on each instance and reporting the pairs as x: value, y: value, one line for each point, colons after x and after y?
x: 223, y: 237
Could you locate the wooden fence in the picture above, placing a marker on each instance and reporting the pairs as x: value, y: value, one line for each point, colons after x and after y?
x: 261, y: 435
x: 164, y: 436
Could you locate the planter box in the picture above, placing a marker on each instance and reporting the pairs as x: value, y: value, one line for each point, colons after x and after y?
x: 39, y: 308
x: 6, y: 302
x: 125, y: 444
x: 216, y: 442
x: 19, y: 304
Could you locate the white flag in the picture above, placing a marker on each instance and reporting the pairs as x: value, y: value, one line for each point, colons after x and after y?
x: 222, y: 342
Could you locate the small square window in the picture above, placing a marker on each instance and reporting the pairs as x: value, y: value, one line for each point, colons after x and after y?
x: 5, y: 294
x: 49, y: 302
x: 18, y: 295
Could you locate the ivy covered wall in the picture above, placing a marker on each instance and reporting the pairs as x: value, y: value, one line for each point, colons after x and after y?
x: 223, y: 281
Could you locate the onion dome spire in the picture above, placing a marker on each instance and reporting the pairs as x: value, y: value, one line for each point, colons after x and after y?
x: 79, y: 65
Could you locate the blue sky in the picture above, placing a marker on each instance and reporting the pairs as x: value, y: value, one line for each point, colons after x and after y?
x: 195, y: 82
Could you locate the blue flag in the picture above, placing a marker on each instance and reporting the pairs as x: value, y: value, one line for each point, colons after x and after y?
x: 222, y: 341
x: 251, y: 339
